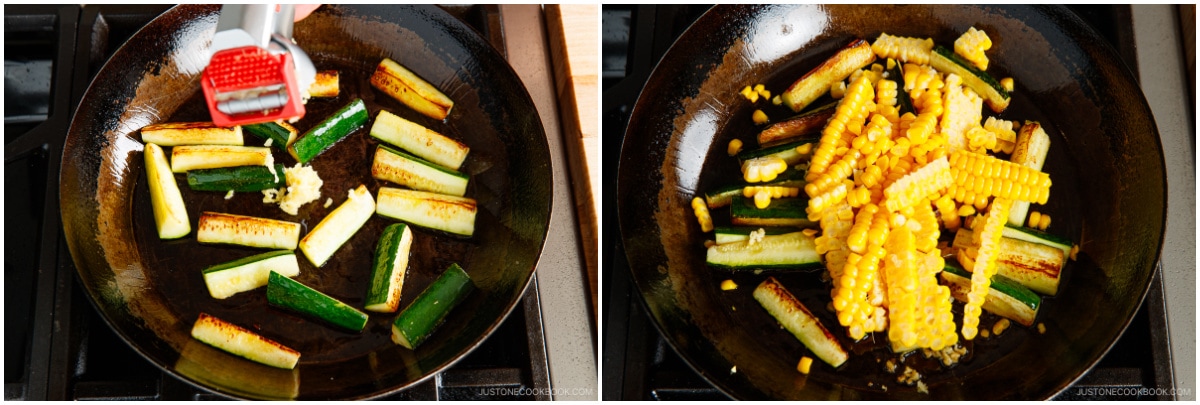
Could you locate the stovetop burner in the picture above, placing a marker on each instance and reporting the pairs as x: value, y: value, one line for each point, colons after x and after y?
x: 57, y: 346
x: 638, y: 362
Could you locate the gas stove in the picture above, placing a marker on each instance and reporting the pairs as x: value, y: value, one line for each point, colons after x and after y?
x: 58, y: 347
x: 638, y: 362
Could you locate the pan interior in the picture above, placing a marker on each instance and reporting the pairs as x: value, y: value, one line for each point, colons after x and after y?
x: 150, y: 291
x: 1105, y: 160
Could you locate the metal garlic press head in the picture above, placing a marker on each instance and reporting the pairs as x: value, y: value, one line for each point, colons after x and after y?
x: 256, y: 73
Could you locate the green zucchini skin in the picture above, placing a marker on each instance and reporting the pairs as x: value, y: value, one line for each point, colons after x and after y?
x: 281, y: 136
x: 786, y: 151
x: 781, y: 212
x: 227, y: 279
x: 896, y: 74
x: 946, y: 61
x: 1006, y: 297
x: 1036, y: 236
x: 388, y: 269
x: 239, y: 179
x: 323, y: 136
x: 285, y: 293
x: 723, y: 196
x: 428, y: 310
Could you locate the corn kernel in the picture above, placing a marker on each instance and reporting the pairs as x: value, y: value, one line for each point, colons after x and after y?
x: 966, y: 211
x: 776, y: 100
x: 1007, y: 84
x: 1041, y: 328
x: 746, y: 92
x: 1000, y: 326
x: 1035, y: 218
x: 728, y: 285
x: 805, y: 365
x: 1044, y: 223
x: 760, y: 117
x: 735, y: 146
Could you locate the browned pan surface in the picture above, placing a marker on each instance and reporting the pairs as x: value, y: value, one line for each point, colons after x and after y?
x: 151, y: 291
x: 1106, y: 162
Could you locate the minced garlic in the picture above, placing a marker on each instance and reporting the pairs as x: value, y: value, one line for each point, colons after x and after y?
x: 328, y: 202
x: 303, y: 187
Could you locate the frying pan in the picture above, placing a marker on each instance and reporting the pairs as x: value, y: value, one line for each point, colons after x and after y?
x: 1105, y: 159
x: 150, y: 291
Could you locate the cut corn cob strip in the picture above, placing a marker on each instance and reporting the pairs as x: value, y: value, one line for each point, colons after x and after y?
x: 978, y: 176
x: 971, y: 45
x: 912, y: 50
x: 191, y: 133
x: 857, y: 103
x: 919, y: 185
x: 988, y: 245
x: 702, y: 215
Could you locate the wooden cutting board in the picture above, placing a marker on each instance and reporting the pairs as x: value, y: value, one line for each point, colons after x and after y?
x: 574, y: 31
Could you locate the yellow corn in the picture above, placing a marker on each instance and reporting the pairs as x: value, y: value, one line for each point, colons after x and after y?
x: 759, y: 117
x: 971, y: 46
x: 1044, y: 222
x: 701, y: 210
x: 747, y: 91
x: 979, y: 176
x: 885, y: 93
x: 763, y: 194
x: 950, y: 217
x: 966, y: 211
x: 835, y: 195
x: 728, y: 285
x: 918, y: 308
x: 776, y: 100
x: 827, y: 181
x: 762, y: 169
x: 1007, y: 84
x: 918, y: 185
x: 1002, y: 128
x: 987, y: 241
x: 856, y: 100
x: 1035, y: 218
x: 915, y: 50
x: 805, y: 365
x: 735, y: 146
x: 927, y: 231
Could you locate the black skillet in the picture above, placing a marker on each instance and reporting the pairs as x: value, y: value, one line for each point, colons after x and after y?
x: 1106, y: 162
x: 150, y: 291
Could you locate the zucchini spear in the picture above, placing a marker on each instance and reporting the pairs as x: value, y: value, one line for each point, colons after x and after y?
x: 817, y: 81
x: 191, y: 133
x: 249, y: 231
x: 170, y: 215
x: 405, y: 86
x: 242, y: 342
x: 418, y: 321
x: 336, y: 228
x: 797, y: 319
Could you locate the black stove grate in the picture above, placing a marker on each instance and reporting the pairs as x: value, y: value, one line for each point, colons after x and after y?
x: 638, y: 362
x: 57, y: 346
